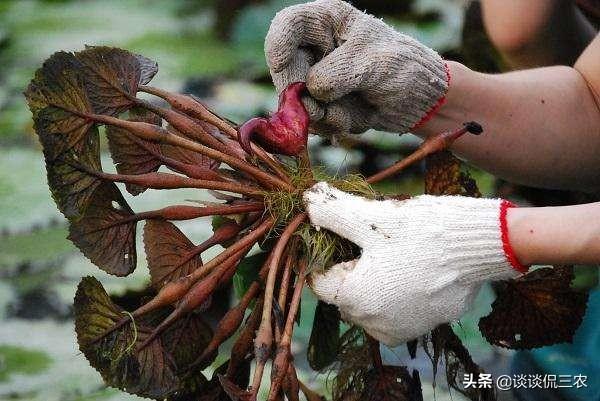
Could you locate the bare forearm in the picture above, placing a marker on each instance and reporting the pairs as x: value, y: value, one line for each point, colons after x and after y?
x: 537, y: 33
x: 542, y: 126
x: 556, y: 235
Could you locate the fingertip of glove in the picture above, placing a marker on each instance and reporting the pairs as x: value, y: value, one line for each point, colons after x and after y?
x: 315, y: 193
x: 326, y: 285
x: 320, y: 195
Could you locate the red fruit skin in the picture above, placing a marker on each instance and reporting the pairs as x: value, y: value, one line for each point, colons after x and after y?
x: 286, y: 131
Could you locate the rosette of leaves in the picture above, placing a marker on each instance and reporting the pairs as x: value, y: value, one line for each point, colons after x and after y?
x: 158, y: 345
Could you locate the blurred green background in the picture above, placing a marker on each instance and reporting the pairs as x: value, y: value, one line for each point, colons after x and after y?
x: 215, y: 50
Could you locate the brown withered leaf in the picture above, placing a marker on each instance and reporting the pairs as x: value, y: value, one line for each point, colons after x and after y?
x: 168, y: 252
x: 535, y: 310
x: 443, y: 342
x: 112, y: 77
x: 185, y: 155
x: 358, y: 380
x: 443, y: 176
x: 71, y: 187
x: 131, y: 154
x: 233, y: 391
x: 55, y: 96
x: 353, y: 362
x: 214, y: 391
x: 324, y: 339
x: 147, y: 373
x: 187, y: 339
x: 391, y: 383
x: 106, y: 232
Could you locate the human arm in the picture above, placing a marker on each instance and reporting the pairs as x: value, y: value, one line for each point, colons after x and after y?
x: 542, y: 126
x: 556, y: 235
x: 424, y: 259
x: 539, y: 33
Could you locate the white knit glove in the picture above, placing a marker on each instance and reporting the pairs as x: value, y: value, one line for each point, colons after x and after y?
x: 361, y: 72
x: 423, y: 259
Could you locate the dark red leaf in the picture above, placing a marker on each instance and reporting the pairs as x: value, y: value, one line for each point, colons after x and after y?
x: 131, y: 154
x: 72, y: 188
x: 106, y: 232
x: 391, y: 383
x: 112, y: 77
x: 214, y: 391
x: 148, y: 373
x: 444, y: 176
x: 186, y: 340
x: 442, y: 341
x: 535, y: 310
x: 169, y: 252
x: 353, y: 364
x: 185, y: 155
x: 55, y: 96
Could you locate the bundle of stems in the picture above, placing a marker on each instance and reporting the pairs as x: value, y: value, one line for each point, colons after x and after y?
x: 72, y: 95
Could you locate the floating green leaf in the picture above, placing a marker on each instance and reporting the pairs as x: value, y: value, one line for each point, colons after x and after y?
x: 247, y: 272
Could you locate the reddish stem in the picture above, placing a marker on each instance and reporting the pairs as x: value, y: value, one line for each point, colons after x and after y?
x: 197, y: 295
x: 243, y: 344
x: 154, y: 133
x: 433, y: 144
x: 173, y: 291
x: 191, y: 129
x: 192, y: 171
x: 228, y: 325
x: 184, y: 212
x: 285, y: 277
x: 160, y: 180
x: 195, y: 109
x: 264, y: 336
x: 283, y: 356
x: 292, y: 388
x: 224, y: 233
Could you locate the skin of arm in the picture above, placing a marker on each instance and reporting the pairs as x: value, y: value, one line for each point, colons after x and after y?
x: 541, y: 126
x: 555, y: 235
x: 537, y: 33
x: 542, y: 129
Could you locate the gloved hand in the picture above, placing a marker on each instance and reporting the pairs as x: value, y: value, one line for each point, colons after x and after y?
x: 360, y: 72
x: 423, y: 259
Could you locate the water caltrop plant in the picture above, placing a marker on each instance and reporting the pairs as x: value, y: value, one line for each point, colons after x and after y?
x: 159, y: 344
